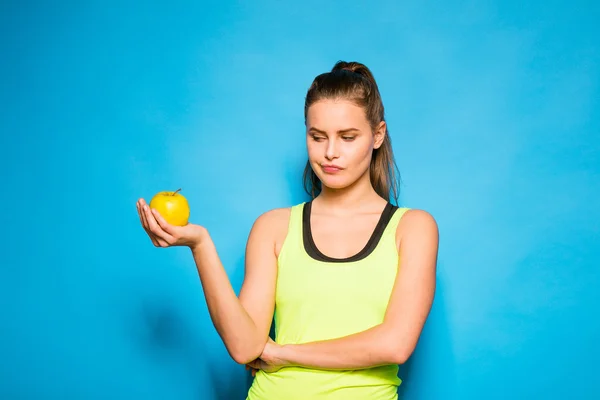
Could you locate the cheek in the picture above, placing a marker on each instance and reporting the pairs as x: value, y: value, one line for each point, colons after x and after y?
x: 313, y: 150
x: 359, y: 153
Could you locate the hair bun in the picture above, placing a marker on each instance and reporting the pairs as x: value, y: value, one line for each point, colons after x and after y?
x: 356, y: 67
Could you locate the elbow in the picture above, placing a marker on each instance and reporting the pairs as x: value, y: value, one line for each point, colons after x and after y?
x: 396, y: 352
x: 400, y: 352
x: 399, y: 355
x: 242, y: 358
x: 246, y: 354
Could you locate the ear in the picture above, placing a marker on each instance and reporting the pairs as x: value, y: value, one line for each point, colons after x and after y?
x: 379, y: 134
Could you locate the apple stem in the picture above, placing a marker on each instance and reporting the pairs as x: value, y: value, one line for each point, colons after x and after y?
x: 175, y: 192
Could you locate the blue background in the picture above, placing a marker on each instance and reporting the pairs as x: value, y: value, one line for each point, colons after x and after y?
x: 494, y: 112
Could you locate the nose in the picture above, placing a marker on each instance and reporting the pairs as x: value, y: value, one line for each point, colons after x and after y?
x: 331, y: 151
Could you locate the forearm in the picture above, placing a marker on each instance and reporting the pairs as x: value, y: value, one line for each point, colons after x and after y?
x: 370, y: 348
x: 233, y: 323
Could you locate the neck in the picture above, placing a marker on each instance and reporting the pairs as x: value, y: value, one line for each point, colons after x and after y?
x: 359, y: 195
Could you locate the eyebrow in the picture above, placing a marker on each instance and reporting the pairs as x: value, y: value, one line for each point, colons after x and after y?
x: 347, y: 130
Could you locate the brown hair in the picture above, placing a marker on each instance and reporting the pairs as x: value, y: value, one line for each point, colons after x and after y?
x: 355, y: 82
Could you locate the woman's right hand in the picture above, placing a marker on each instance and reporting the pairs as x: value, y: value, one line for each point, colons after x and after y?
x: 163, y: 234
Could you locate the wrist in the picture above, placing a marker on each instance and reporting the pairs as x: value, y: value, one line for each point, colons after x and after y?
x: 286, y: 354
x: 201, y: 238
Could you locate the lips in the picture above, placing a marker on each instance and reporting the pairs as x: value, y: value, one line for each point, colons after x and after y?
x: 330, y: 168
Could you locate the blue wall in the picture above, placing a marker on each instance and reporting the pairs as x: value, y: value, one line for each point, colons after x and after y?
x: 494, y: 111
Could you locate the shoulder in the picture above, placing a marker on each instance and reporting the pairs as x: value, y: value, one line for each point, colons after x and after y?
x: 414, y: 217
x: 272, y: 223
x: 272, y: 227
x: 274, y: 217
x: 417, y: 223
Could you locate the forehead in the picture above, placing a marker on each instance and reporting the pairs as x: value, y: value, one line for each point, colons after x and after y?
x: 335, y: 114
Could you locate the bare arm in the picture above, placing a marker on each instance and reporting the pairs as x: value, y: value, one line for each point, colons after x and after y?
x: 243, y: 323
x: 394, y: 340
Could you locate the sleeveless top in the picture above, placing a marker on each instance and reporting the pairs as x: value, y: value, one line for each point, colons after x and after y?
x: 319, y: 298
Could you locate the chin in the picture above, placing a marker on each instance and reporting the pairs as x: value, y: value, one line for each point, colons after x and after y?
x: 335, y: 182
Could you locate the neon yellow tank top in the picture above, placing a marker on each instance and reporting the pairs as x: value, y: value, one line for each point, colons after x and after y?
x: 320, y: 298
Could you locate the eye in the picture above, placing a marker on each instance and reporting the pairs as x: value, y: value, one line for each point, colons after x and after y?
x: 348, y: 138
x: 318, y: 138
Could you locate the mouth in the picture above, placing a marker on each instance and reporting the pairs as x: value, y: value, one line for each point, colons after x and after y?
x: 330, y: 168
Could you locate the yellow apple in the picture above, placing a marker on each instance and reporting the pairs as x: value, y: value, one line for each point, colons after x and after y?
x: 172, y: 206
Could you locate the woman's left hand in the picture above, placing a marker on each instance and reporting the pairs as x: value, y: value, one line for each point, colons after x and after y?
x: 269, y: 360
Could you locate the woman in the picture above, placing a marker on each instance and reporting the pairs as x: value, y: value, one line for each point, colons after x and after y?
x: 349, y: 276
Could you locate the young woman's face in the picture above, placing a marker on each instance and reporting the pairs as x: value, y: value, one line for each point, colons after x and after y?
x: 340, y: 142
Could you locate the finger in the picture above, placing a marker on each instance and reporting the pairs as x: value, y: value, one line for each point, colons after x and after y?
x: 253, y: 372
x: 146, y: 228
x: 138, y: 207
x: 143, y: 220
x: 163, y: 237
x: 151, y: 223
x: 164, y: 225
x: 170, y: 230
x: 162, y: 242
